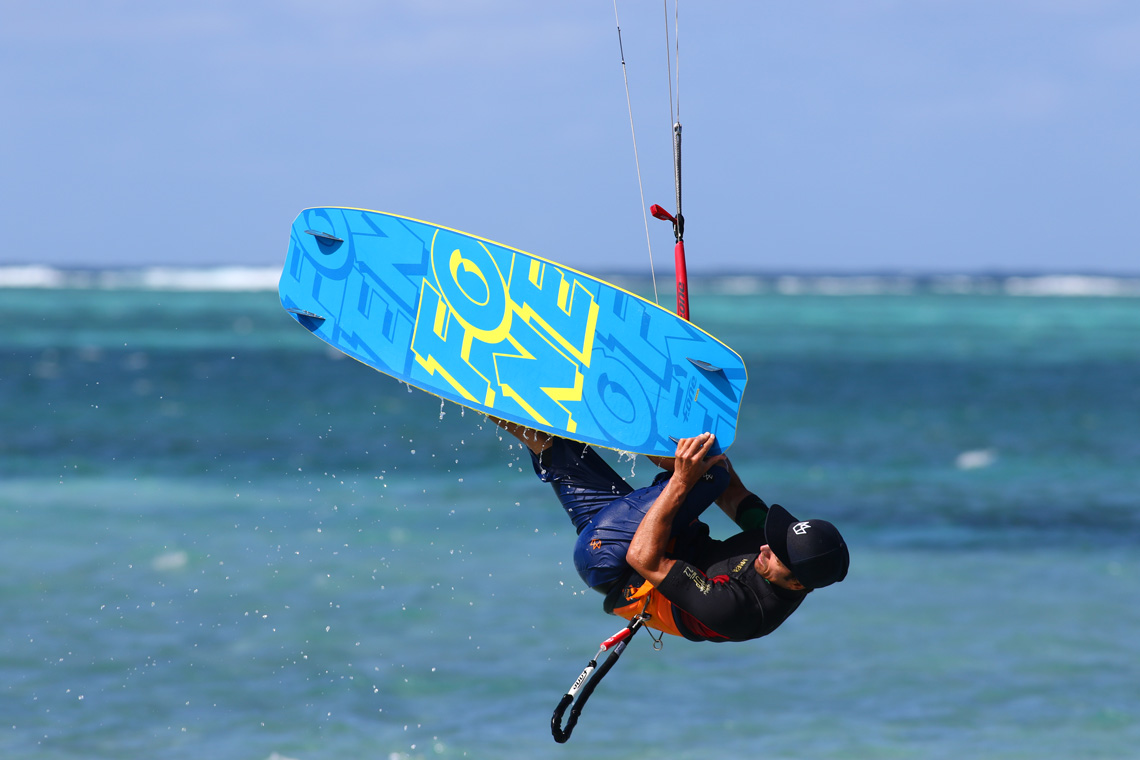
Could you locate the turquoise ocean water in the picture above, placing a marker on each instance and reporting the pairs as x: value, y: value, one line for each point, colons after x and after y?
x: 221, y: 541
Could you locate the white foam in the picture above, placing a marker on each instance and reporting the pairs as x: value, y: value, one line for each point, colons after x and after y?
x: 1072, y: 285
x: 230, y: 278
x: 846, y: 285
x: 223, y: 278
x: 170, y: 561
x: 32, y: 276
x: 251, y: 278
x: 975, y: 459
x: 739, y: 285
x: 1099, y: 286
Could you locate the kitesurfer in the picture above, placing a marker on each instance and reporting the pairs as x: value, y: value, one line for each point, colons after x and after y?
x: 647, y: 551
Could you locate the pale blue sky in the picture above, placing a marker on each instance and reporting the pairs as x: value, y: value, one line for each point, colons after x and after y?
x: 942, y: 135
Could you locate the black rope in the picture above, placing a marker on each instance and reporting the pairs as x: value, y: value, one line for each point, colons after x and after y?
x: 587, y: 681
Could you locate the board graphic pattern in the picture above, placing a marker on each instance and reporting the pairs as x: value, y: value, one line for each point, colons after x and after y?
x: 504, y: 332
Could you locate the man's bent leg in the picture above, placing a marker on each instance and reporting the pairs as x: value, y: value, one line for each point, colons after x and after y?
x: 599, y: 552
x: 582, y: 480
x: 586, y: 487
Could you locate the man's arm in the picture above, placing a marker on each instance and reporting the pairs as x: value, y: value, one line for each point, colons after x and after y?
x: 743, y: 507
x: 646, y: 553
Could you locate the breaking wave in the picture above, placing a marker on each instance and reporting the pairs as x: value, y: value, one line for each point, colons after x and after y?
x: 232, y: 278
x: 251, y: 278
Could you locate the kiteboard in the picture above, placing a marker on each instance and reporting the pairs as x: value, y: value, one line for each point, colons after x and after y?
x: 509, y: 334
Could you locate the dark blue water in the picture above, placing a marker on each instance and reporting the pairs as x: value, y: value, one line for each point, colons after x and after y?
x: 222, y: 541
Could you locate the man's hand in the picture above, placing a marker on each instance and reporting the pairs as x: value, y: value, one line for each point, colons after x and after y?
x: 646, y: 553
x: 692, y: 461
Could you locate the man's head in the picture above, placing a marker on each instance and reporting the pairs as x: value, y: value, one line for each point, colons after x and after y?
x: 812, y: 550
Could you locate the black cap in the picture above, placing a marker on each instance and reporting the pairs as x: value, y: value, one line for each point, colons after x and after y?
x: 812, y: 549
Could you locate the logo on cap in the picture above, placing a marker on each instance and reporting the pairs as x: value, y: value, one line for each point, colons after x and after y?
x: 801, y: 528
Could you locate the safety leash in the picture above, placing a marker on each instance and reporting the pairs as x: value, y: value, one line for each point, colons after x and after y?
x: 585, y: 684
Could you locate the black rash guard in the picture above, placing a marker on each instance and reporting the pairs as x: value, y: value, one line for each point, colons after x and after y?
x: 716, y: 593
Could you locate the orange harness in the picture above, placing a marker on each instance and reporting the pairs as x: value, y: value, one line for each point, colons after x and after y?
x: 649, y: 600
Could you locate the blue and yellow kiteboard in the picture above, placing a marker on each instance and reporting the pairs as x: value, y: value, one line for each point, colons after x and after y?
x: 507, y: 333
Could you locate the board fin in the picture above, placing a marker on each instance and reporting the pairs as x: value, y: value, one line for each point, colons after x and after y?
x: 704, y: 365
x: 308, y: 319
x: 324, y: 236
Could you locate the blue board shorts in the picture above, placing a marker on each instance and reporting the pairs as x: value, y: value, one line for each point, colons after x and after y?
x: 606, y: 510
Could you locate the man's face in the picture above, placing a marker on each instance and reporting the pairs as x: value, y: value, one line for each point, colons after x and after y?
x: 774, y: 571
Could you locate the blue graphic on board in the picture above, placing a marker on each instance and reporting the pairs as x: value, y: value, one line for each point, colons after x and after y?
x: 507, y: 333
